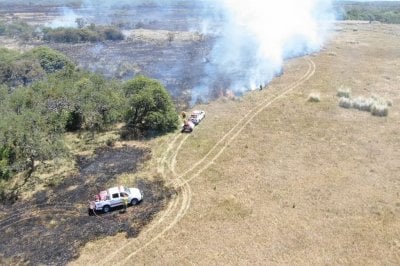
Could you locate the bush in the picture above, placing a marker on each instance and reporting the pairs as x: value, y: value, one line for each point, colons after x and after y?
x: 17, y: 28
x: 7, y: 157
x: 376, y: 105
x: 74, y: 121
x: 345, y: 102
x: 363, y: 104
x: 314, y: 98
x: 49, y: 59
x: 344, y: 92
x: 91, y: 33
x: 380, y: 109
x: 386, y: 12
x: 23, y: 68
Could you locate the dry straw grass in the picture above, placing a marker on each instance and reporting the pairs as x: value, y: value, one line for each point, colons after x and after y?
x: 380, y: 109
x: 376, y: 105
x: 345, y: 102
x: 314, y: 97
x: 344, y: 92
x: 363, y: 104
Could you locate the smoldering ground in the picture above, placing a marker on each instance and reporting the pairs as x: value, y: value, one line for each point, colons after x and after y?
x: 50, y: 229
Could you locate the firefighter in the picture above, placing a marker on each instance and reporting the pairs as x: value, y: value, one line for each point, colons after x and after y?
x: 125, y: 201
x: 183, y: 114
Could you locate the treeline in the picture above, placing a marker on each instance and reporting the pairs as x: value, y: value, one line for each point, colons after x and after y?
x: 89, y: 33
x: 385, y: 12
x: 36, y: 115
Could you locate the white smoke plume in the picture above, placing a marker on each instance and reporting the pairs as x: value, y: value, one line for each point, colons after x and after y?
x: 67, y: 19
x: 249, y: 39
x: 256, y: 36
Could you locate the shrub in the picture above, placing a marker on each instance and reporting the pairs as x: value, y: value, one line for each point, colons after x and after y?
x: 6, y: 159
x: 314, y: 98
x: 23, y: 68
x: 345, y: 102
x: 363, y: 104
x: 344, y: 92
x: 375, y: 104
x: 379, y: 109
x: 17, y: 28
x: 91, y: 33
x: 49, y: 59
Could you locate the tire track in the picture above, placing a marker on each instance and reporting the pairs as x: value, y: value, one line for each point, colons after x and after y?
x: 186, y: 199
x: 235, y: 131
x: 307, y: 76
x: 304, y: 78
x: 175, y: 210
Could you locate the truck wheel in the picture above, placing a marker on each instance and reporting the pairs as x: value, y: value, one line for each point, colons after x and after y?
x: 106, y: 209
x: 134, y: 201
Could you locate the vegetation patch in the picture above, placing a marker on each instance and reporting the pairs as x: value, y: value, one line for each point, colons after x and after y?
x: 344, y: 92
x: 386, y: 12
x: 314, y: 97
x: 151, y: 110
x: 90, y: 33
x: 36, y: 115
x: 18, y: 69
x: 376, y: 105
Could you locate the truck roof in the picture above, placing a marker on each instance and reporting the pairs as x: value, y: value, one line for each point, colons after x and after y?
x: 114, y: 190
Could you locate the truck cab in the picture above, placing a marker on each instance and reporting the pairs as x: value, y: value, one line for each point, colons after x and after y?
x: 113, y: 197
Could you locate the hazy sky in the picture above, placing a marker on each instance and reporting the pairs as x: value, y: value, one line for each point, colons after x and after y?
x: 372, y: 0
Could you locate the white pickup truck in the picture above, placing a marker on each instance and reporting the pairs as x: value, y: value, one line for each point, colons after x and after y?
x: 196, y: 116
x: 114, y: 197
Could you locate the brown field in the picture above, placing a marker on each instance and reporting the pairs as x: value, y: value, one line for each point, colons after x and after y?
x: 274, y: 179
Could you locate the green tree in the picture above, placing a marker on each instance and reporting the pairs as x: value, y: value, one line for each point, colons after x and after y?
x: 50, y: 60
x: 150, y: 108
x: 29, y: 131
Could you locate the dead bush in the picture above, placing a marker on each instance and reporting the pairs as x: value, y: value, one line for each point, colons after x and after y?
x: 379, y: 109
x: 314, y: 98
x: 345, y: 102
x: 344, y: 92
x: 363, y: 104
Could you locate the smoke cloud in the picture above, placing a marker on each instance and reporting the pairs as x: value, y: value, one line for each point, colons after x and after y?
x: 249, y: 39
x: 254, y: 37
x: 67, y: 19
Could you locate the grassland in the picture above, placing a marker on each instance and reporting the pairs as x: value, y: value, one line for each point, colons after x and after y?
x: 275, y: 179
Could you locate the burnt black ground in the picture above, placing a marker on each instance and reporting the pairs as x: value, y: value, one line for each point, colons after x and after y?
x: 179, y: 65
x: 51, y: 229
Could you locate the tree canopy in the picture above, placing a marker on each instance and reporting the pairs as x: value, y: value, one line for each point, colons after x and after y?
x: 150, y: 108
x: 43, y: 95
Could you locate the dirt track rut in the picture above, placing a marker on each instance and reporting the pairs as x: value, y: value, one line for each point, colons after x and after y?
x: 180, y: 204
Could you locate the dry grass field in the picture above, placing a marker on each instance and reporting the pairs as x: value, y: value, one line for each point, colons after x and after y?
x: 273, y: 178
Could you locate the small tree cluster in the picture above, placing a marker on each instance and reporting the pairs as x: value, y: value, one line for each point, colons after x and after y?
x: 150, y: 108
x: 24, y: 68
x: 90, y: 33
x: 36, y: 114
x: 17, y: 28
